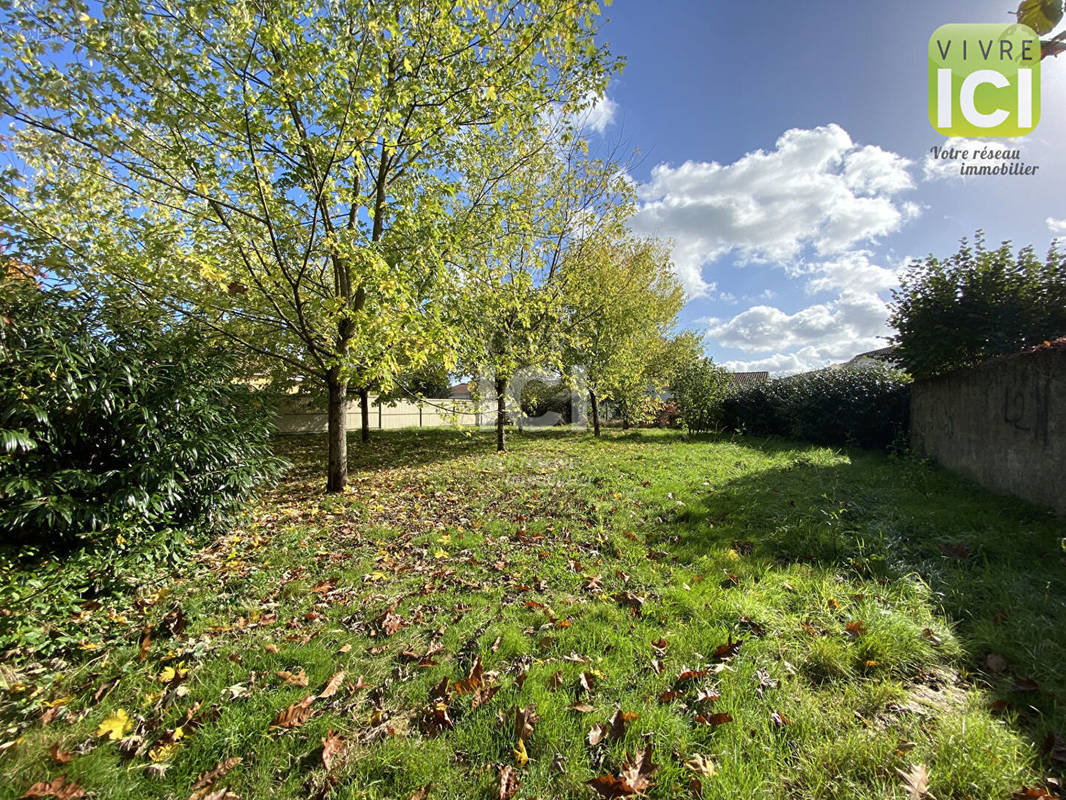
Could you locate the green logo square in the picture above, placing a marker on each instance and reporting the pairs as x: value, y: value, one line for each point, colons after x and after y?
x: 984, y: 80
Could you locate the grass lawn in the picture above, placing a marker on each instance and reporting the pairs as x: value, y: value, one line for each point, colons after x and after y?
x: 769, y: 619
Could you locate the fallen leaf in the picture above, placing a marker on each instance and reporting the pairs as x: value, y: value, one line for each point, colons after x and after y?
x: 115, y: 726
x: 60, y: 756
x: 520, y: 756
x: 779, y: 720
x: 422, y: 793
x: 855, y: 629
x: 597, y: 733
x: 524, y: 720
x: 57, y: 788
x: 472, y: 681
x: 207, y: 779
x: 270, y: 648
x: 713, y: 720
x: 293, y: 678
x: 620, y: 721
x: 333, y: 746
x: 295, y: 715
x: 508, y: 783
x: 915, y: 782
x: 333, y: 685
x: 702, y: 765
x: 633, y: 778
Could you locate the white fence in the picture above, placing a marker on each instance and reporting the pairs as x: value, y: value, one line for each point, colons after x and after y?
x: 297, y: 416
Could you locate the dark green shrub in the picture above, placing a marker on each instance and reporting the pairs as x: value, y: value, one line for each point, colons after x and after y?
x: 698, y: 388
x: 112, y: 430
x: 979, y: 303
x: 867, y: 406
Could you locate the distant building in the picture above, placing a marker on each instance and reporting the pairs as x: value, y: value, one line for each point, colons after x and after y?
x: 742, y: 379
x: 461, y: 391
x: 883, y: 355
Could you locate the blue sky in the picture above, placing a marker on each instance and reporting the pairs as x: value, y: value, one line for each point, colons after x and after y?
x: 783, y: 148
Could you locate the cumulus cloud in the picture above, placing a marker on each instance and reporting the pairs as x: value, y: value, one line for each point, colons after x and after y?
x: 816, y: 188
x: 812, y: 337
x: 853, y: 270
x: 596, y: 113
x: 1056, y: 226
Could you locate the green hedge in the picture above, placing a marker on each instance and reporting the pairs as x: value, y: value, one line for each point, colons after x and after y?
x: 868, y: 407
x: 113, y: 430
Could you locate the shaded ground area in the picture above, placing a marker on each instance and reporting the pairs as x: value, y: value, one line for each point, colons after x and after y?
x: 768, y: 619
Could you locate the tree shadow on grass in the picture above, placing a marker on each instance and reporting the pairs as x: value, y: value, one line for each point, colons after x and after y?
x: 995, y: 565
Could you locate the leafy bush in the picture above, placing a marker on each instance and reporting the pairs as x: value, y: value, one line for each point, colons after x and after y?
x: 980, y: 303
x: 112, y: 430
x: 867, y: 406
x: 699, y: 387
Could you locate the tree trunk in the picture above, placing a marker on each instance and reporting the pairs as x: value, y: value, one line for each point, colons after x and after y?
x: 338, y: 432
x: 595, y: 412
x: 625, y: 416
x: 501, y: 412
x: 364, y: 410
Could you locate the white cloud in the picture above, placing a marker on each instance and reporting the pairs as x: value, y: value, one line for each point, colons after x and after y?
x: 816, y: 188
x: 820, y: 334
x: 596, y: 113
x: 599, y: 114
x: 853, y: 270
x: 1056, y: 226
x: 977, y: 154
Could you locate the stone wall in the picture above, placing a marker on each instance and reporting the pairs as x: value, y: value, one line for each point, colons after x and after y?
x: 1003, y: 423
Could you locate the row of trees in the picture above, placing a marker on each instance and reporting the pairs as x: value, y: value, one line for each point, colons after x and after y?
x: 349, y: 191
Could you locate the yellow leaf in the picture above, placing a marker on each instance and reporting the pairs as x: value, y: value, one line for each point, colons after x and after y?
x: 439, y: 553
x: 490, y: 92
x: 163, y: 752
x: 520, y: 756
x: 115, y: 726
x: 59, y: 701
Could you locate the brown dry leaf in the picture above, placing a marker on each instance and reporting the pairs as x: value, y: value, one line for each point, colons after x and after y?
x: 60, y: 756
x: 472, y: 681
x: 581, y: 708
x: 146, y: 644
x: 714, y: 720
x: 620, y: 721
x: 915, y: 782
x: 1036, y: 793
x: 855, y: 629
x: 724, y: 652
x: 295, y: 715
x: 57, y: 788
x: 779, y: 720
x: 204, y: 783
x: 524, y: 720
x: 333, y: 746
x: 702, y: 764
x: 690, y: 675
x: 422, y: 793
x: 597, y: 733
x: 220, y: 771
x: 270, y: 648
x: 633, y: 778
x: 638, y: 771
x: 333, y: 685
x: 508, y: 783
x: 293, y: 678
x: 482, y: 696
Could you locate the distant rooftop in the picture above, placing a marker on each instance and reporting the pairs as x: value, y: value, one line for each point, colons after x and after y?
x: 749, y: 378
